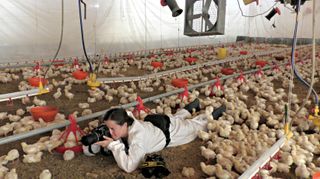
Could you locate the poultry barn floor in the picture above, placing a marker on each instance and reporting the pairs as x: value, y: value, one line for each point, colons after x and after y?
x: 100, y: 166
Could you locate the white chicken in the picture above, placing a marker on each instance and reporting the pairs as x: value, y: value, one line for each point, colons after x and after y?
x: 208, y: 169
x: 57, y: 94
x: 207, y: 153
x: 12, y: 174
x: 68, y: 155
x: 45, y: 174
x: 3, y: 115
x: 32, y: 158
x: 12, y: 155
x: 204, y: 135
x: 30, y: 149
x: 188, y: 172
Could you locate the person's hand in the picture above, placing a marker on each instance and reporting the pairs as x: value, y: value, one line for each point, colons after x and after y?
x: 105, y: 142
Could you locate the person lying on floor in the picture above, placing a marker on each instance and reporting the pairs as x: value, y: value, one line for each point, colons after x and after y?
x: 132, y: 139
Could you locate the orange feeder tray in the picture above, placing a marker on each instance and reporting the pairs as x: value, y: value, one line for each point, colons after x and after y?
x: 227, y: 71
x: 80, y: 75
x: 156, y: 64
x: 34, y: 81
x: 191, y: 59
x: 261, y: 63
x: 316, y: 175
x: 47, y: 113
x: 179, y: 82
x: 243, y: 52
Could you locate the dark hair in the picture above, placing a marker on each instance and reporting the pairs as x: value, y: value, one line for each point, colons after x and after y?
x: 118, y: 115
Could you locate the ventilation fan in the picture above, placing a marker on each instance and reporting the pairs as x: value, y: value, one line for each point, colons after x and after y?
x: 204, y: 17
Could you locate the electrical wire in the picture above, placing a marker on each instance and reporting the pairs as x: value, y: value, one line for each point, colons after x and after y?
x: 255, y: 14
x: 61, y: 37
x: 293, y: 68
x: 313, y: 65
x: 294, y: 43
x: 82, y: 37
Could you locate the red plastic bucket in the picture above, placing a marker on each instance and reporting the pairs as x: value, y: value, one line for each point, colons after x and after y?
x: 179, y: 82
x: 34, y: 81
x: 47, y: 113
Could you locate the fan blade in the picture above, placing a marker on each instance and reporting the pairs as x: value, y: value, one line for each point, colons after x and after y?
x: 206, y: 7
x: 208, y: 24
x: 194, y: 16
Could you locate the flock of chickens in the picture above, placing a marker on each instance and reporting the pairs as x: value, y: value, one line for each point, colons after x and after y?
x: 251, y: 124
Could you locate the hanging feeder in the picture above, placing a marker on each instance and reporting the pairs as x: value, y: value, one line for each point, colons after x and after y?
x: 37, y: 67
x: 156, y: 64
x: 72, y: 128
x: 184, y: 94
x: 79, y: 75
x: 47, y: 113
x: 35, y: 81
x: 106, y: 60
x: 179, y: 82
x: 216, y: 88
x: 240, y: 78
x: 140, y: 107
x: 76, y: 63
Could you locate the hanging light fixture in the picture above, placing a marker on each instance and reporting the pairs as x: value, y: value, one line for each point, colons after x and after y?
x: 273, y: 12
x: 175, y: 9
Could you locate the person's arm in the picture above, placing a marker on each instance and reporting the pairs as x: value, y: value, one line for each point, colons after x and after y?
x: 126, y: 162
x: 182, y: 114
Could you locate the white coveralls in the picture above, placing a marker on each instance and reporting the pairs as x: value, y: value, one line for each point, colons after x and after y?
x: 144, y: 138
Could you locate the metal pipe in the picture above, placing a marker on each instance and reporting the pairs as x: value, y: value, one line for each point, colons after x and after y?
x: 19, y: 94
x: 265, y: 158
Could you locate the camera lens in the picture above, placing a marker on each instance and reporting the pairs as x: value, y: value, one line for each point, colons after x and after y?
x: 89, y: 139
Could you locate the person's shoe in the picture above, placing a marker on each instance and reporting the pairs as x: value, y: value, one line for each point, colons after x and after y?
x: 219, y: 112
x: 193, y: 105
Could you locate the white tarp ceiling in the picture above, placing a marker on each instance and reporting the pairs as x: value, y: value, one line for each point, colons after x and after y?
x: 30, y: 29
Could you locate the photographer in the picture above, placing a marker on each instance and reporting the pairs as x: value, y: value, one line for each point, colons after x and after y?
x: 132, y: 139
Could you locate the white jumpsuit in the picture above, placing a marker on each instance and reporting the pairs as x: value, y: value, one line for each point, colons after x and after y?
x: 144, y: 138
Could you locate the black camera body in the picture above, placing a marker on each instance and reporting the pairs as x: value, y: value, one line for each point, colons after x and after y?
x: 96, y: 135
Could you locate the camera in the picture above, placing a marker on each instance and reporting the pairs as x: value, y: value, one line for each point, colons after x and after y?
x: 96, y: 135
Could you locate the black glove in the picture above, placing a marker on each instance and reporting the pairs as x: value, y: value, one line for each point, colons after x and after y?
x: 154, y: 166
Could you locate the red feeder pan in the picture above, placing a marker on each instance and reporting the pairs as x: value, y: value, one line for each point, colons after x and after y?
x: 156, y: 64
x: 243, y: 52
x: 179, y: 82
x: 191, y: 59
x: 34, y: 81
x: 227, y: 71
x: 47, y: 113
x: 261, y: 63
x: 76, y: 149
x: 79, y: 75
